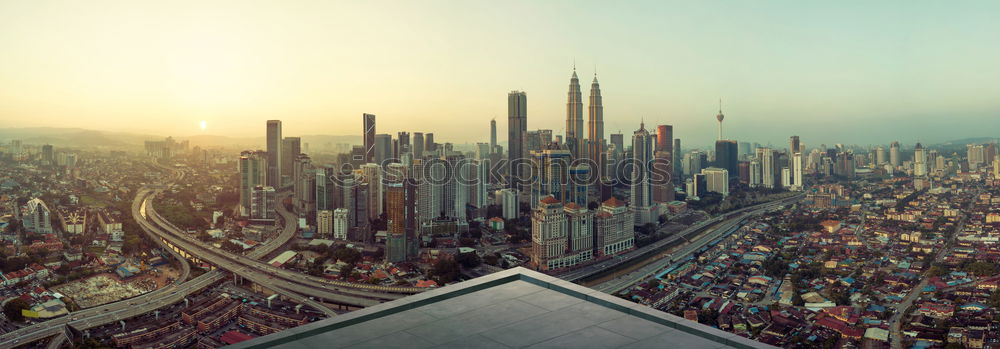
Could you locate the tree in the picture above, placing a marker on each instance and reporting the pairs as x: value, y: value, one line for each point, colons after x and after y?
x: 468, y: 260
x: 346, y: 270
x: 444, y: 271
x: 491, y: 259
x: 13, y: 309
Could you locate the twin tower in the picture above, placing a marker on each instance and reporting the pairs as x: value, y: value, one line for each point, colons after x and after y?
x: 593, y: 145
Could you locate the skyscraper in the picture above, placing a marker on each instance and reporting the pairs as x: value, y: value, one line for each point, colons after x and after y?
x: 47, y: 154
x: 383, y: 148
x: 894, y: 158
x: 661, y: 179
x: 368, y: 129
x: 574, y: 117
x: 418, y: 145
x: 642, y: 154
x: 429, y: 145
x: 664, y: 138
x: 716, y: 180
x: 919, y: 161
x: 726, y: 155
x: 262, y: 201
x: 253, y: 173
x: 767, y: 167
x: 291, y: 147
x: 676, y: 152
x: 797, y: 183
x: 404, y: 144
x: 493, y: 135
x: 595, y: 126
x: 793, y: 145
x: 274, y: 153
x: 552, y: 176
x: 517, y: 127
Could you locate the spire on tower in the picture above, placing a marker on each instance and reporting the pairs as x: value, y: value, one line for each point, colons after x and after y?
x: 720, y: 117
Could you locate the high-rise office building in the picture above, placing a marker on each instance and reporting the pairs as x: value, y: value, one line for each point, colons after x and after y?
x: 507, y: 200
x: 291, y: 147
x: 919, y: 161
x: 551, y: 179
x: 661, y: 177
x: 403, y: 139
x: 274, y: 153
x: 574, y: 118
x: 253, y: 173
x: 595, y: 127
x: 303, y: 181
x: 383, y: 148
x: 372, y: 176
x: 975, y: 156
x: 693, y: 162
x: 400, y: 209
x: 642, y: 155
x: 618, y: 141
x: 894, y: 158
x: 676, y: 150
x: 663, y: 164
x: 48, y: 157
x: 428, y: 176
x: 880, y: 156
x: 716, y: 180
x: 797, y: 183
x: 755, y: 173
x: 493, y: 135
x: 429, y: 145
x: 767, y: 167
x: 418, y: 145
x: 262, y: 203
x: 482, y: 183
x: 517, y: 128
x: 664, y: 138
x: 726, y: 155
x: 368, y: 130
x: 324, y: 223
x: 341, y: 223
x: 745, y: 151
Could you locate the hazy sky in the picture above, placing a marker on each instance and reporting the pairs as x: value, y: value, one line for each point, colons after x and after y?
x: 838, y: 71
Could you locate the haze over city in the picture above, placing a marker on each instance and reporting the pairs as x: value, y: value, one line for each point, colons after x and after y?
x: 833, y: 73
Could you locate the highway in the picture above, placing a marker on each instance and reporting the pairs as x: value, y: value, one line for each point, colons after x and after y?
x: 730, y: 225
x: 109, y: 313
x: 294, y: 285
x: 248, y: 268
x: 582, y: 273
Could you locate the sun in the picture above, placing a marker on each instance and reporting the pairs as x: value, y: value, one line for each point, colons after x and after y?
x: 203, y: 124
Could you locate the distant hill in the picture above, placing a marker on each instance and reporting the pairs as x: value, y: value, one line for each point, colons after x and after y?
x: 74, y: 137
x: 78, y: 137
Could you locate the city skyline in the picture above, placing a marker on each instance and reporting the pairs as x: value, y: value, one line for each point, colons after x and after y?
x: 883, y: 71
